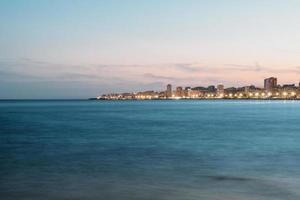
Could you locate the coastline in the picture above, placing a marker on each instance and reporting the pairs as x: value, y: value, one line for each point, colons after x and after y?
x: 201, y: 99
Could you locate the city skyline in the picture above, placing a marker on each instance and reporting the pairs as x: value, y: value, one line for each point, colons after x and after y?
x: 76, y: 49
x: 270, y: 90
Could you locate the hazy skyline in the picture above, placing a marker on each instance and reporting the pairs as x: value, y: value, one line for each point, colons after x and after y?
x: 79, y: 49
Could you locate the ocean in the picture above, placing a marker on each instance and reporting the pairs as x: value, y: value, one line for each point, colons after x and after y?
x: 150, y: 150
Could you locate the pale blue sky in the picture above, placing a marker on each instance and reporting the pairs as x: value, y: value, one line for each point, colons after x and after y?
x: 78, y: 49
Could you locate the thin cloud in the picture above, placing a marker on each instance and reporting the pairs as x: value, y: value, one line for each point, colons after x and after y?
x: 15, y: 76
x: 159, y: 77
x: 259, y: 68
x: 190, y: 67
x: 25, y: 69
x: 238, y: 67
x: 79, y: 76
x: 186, y: 67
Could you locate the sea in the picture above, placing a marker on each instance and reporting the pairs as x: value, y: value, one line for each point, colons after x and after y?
x: 149, y: 150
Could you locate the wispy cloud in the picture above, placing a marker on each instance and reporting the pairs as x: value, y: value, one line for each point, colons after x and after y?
x: 238, y: 67
x: 181, y: 67
x: 189, y: 67
x: 26, y: 69
x: 15, y: 76
x: 258, y: 68
x: 159, y: 77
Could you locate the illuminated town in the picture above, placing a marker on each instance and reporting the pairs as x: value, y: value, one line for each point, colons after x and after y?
x: 271, y: 90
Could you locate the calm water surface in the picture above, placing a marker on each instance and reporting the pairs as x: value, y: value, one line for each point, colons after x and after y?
x: 148, y: 150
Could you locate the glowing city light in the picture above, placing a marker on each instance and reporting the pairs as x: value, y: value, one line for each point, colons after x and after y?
x: 270, y: 90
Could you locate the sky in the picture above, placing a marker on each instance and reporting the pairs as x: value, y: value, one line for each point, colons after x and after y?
x: 81, y: 49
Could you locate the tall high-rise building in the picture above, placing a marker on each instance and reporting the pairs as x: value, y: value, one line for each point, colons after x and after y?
x: 270, y: 83
x: 169, y: 91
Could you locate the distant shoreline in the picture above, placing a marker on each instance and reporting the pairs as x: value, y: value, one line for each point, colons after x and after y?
x: 200, y: 99
x: 95, y: 99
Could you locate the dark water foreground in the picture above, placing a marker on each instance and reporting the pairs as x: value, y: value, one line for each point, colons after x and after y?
x: 150, y: 150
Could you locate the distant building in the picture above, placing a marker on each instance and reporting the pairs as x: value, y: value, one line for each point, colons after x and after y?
x: 199, y: 88
x: 289, y: 87
x: 247, y: 89
x: 271, y: 90
x: 186, y: 91
x: 231, y: 90
x: 169, y: 91
x: 270, y: 83
x: 179, y: 92
x: 211, y: 88
x: 194, y: 93
x: 220, y: 89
